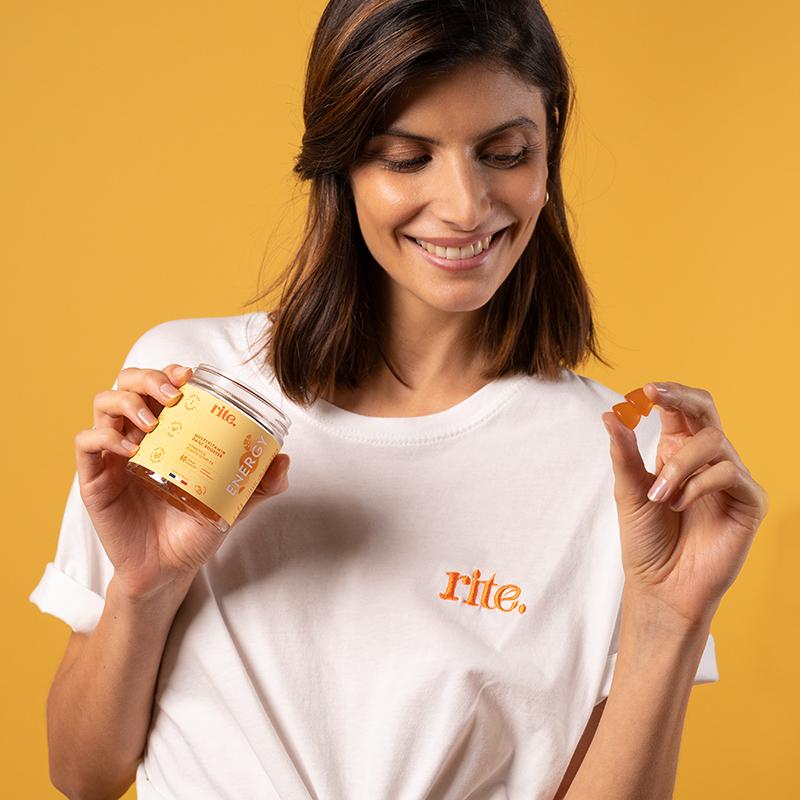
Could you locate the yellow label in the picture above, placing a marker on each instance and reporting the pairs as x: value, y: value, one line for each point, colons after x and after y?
x: 209, y: 448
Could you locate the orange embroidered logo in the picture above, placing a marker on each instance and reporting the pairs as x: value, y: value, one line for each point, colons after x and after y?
x: 504, y: 594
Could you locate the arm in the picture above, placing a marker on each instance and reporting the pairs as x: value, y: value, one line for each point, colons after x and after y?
x: 580, y: 750
x: 634, y: 752
x: 98, y: 708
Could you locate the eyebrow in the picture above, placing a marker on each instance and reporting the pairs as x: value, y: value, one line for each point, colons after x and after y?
x: 517, y: 122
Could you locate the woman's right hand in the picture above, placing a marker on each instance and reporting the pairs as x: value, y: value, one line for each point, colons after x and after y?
x: 150, y: 543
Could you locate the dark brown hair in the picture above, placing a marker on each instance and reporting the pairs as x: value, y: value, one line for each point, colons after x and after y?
x: 326, y: 328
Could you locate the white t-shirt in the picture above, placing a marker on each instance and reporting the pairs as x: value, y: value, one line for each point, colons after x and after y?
x: 336, y: 646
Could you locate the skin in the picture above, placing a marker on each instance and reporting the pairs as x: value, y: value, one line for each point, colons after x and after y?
x: 680, y: 551
x: 683, y: 549
x: 458, y: 190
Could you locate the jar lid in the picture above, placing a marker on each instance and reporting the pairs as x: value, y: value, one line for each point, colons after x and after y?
x: 256, y: 404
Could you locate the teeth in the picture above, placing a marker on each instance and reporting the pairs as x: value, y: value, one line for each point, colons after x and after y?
x: 455, y: 253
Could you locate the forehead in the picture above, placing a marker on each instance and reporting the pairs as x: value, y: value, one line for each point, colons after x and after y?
x: 476, y: 91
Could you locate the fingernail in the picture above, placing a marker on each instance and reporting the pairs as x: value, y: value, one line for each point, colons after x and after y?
x: 146, y: 416
x: 129, y: 446
x: 661, y: 387
x: 169, y: 390
x: 657, y: 490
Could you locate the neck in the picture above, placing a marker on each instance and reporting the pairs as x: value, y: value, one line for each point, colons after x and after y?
x: 433, y: 354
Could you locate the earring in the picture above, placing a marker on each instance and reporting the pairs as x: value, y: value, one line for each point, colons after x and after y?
x: 546, y: 197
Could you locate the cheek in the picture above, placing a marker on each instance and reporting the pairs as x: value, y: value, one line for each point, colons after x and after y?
x: 382, y: 207
x: 526, y: 196
x: 389, y: 194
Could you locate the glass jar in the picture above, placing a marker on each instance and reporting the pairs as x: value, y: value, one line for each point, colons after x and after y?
x: 210, y: 450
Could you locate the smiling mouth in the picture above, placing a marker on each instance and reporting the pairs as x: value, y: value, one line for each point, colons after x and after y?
x: 455, y: 253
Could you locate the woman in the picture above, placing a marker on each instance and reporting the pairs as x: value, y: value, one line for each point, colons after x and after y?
x: 438, y: 607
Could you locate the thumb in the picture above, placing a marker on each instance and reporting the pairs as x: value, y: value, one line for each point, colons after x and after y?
x: 274, y: 482
x: 631, y: 479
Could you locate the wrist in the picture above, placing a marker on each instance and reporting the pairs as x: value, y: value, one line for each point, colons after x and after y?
x: 653, y: 637
x: 169, y: 595
x: 649, y: 612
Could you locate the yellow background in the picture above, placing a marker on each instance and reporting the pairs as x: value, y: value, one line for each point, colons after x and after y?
x: 146, y: 157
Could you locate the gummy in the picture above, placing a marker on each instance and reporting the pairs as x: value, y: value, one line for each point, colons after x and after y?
x: 630, y: 412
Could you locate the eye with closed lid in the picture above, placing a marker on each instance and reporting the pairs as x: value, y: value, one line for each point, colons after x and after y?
x: 500, y: 160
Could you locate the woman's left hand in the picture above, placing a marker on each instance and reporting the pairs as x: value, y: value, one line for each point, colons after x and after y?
x: 685, y: 548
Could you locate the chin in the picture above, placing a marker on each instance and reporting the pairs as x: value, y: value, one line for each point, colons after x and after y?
x: 458, y: 301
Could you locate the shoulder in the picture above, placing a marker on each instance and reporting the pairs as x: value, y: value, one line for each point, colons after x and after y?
x: 589, y: 391
x: 584, y: 398
x: 222, y: 340
x: 573, y: 397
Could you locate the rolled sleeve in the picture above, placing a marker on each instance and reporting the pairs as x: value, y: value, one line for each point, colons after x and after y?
x: 63, y: 597
x: 74, y: 583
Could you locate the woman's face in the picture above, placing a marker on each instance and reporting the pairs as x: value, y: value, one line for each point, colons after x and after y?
x: 463, y: 184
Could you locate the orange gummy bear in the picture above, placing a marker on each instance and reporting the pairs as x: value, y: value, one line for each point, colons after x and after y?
x: 630, y: 412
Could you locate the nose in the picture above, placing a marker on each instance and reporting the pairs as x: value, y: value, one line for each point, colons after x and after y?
x: 461, y: 194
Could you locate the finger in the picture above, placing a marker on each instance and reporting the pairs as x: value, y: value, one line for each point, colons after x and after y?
x: 135, y: 378
x: 631, y: 478
x: 139, y: 398
x: 724, y: 476
x: 90, y: 446
x: 274, y: 482
x: 177, y: 374
x: 708, y: 446
x: 683, y: 409
x: 276, y: 478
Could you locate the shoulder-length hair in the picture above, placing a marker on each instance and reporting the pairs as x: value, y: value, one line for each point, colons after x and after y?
x: 326, y: 328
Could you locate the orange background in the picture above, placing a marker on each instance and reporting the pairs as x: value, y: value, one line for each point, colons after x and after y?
x: 146, y: 165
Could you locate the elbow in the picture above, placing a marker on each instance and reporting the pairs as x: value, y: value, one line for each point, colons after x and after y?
x: 77, y: 787
x: 64, y: 786
x: 75, y: 774
x: 75, y: 778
